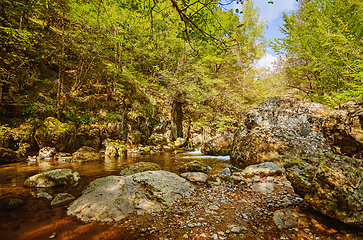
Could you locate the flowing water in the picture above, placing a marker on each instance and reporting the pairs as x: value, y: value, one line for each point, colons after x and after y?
x: 37, y: 220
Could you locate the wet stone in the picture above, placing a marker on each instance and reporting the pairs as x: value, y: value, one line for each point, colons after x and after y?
x: 62, y: 199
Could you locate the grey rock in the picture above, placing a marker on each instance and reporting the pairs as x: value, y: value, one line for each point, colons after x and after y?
x: 276, y: 127
x: 139, y: 167
x: 195, y: 176
x: 115, y: 197
x: 225, y: 171
x: 53, y: 178
x: 332, y: 184
x: 47, y: 152
x: 218, y: 146
x: 286, y: 218
x: 262, y: 169
x: 263, y: 187
x: 62, y: 199
x: 45, y: 195
x: 343, y: 129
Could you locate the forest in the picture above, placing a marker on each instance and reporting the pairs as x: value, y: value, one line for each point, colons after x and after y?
x: 152, y: 119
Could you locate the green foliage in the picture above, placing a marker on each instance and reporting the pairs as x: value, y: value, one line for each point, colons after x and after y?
x: 112, y: 117
x: 323, y: 50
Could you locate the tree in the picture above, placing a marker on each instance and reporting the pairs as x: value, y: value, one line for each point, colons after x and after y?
x: 323, y: 49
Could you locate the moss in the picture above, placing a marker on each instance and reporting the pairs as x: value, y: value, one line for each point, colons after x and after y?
x: 292, y: 162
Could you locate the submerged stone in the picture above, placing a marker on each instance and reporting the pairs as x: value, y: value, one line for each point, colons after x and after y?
x: 140, y: 167
x: 53, y: 178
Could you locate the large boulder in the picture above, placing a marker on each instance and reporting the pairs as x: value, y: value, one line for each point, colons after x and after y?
x: 53, y: 178
x: 22, y: 140
x: 343, y: 129
x: 276, y: 127
x: 218, y: 146
x: 115, y: 197
x: 331, y: 184
x: 53, y: 133
x: 88, y: 135
x: 86, y: 154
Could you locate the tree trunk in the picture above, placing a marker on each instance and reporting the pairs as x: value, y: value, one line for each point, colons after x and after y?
x: 176, y: 119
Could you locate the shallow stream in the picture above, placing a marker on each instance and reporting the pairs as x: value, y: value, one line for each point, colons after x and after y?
x: 37, y: 220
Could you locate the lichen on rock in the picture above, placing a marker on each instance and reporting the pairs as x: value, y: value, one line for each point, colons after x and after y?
x: 113, y: 198
x: 331, y: 184
x: 276, y: 127
x: 53, y: 178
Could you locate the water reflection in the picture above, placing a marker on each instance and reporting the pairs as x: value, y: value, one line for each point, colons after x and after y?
x: 15, y: 174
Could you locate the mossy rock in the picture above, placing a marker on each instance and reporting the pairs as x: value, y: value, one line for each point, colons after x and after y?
x: 86, y: 154
x: 88, y: 135
x: 195, y: 166
x: 115, y: 150
x: 140, y: 167
x: 53, y: 133
x: 4, y: 136
x: 332, y: 184
x: 219, y: 179
x: 8, y: 156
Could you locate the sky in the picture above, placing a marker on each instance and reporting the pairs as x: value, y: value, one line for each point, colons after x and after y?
x: 273, y: 14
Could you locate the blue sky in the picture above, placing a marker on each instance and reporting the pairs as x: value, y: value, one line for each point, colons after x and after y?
x: 273, y: 14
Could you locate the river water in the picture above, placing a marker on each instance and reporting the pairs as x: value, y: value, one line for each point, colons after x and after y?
x: 37, y: 220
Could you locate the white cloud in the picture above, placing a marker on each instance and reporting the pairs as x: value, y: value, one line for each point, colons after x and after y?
x: 272, y: 11
x: 266, y: 61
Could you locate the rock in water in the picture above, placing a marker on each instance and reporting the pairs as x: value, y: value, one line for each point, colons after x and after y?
x: 85, y: 154
x: 53, y: 178
x: 47, y: 152
x: 195, y: 166
x: 279, y: 126
x: 115, y: 197
x: 140, y: 167
x: 343, y: 129
x: 332, y: 184
x: 62, y: 199
x: 219, y: 146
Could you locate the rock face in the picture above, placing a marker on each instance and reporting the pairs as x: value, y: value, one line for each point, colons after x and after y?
x: 332, y: 184
x: 343, y: 129
x: 115, y: 197
x: 219, y: 146
x: 85, y: 154
x: 140, y: 167
x: 276, y: 127
x: 53, y: 178
x: 53, y: 133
